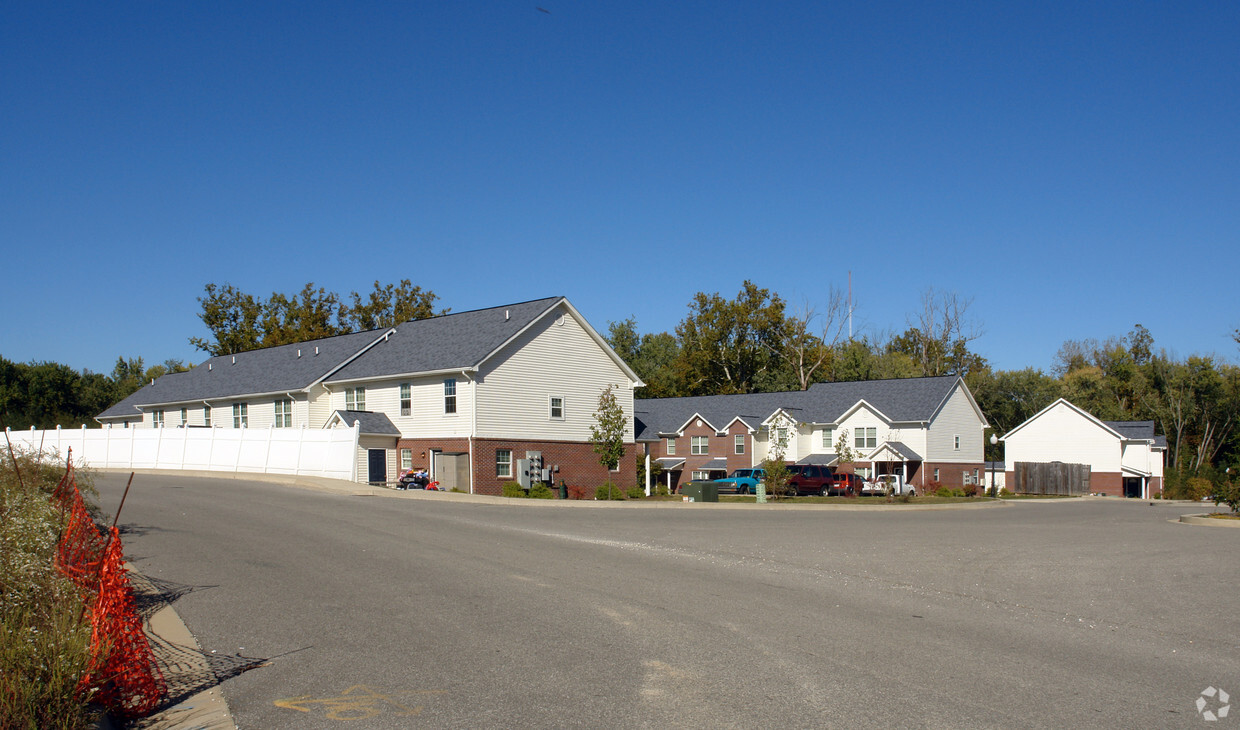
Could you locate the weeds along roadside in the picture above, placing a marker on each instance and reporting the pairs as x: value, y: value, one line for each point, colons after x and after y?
x: 44, y: 633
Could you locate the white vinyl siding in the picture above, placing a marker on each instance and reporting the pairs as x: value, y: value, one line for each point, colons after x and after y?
x: 513, y: 386
x: 957, y: 418
x: 1063, y: 434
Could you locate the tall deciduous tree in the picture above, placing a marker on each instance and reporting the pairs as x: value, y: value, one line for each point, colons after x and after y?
x: 387, y: 305
x: 726, y: 345
x: 809, y: 339
x: 652, y: 357
x: 232, y: 317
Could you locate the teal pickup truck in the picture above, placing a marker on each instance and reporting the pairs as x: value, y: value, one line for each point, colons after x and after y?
x: 741, y: 481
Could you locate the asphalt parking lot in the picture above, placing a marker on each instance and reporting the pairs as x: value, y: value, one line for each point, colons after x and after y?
x: 436, y: 612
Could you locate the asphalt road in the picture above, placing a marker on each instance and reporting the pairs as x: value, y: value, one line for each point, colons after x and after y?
x: 380, y: 612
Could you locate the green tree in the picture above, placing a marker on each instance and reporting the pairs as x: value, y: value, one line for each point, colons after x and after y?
x: 607, y: 432
x: 388, y: 305
x: 652, y: 357
x: 726, y: 346
x: 312, y: 314
x: 775, y: 467
x: 232, y: 317
x: 845, y: 455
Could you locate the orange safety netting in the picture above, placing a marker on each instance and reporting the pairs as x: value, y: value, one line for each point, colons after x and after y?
x: 122, y: 668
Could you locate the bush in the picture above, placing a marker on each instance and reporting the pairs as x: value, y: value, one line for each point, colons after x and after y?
x: 635, y: 492
x: 607, y: 491
x: 513, y: 489
x: 948, y: 492
x: 1228, y: 493
x: 661, y: 490
x: 542, y: 491
x: 576, y: 492
x: 44, y: 642
x: 1198, y: 488
x: 970, y: 490
x: 1005, y: 493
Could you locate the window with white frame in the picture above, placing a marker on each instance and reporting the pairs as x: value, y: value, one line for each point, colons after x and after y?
x: 406, y: 459
x: 157, y: 419
x: 956, y: 443
x: 449, y: 396
x: 701, y: 476
x: 406, y: 399
x: 699, y: 445
x: 184, y: 416
x: 503, y: 463
x: 738, y: 443
x: 206, y: 415
x: 862, y: 471
x: 557, y: 408
x: 866, y: 437
x: 671, y: 447
x: 828, y: 438
x: 241, y: 415
x: 284, y: 413
x: 781, y: 436
x: 355, y: 399
x: 936, y: 475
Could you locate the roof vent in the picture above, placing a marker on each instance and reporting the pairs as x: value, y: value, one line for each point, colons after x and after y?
x: 505, y: 315
x: 316, y: 349
x: 208, y: 367
x: 234, y: 362
x: 299, y: 353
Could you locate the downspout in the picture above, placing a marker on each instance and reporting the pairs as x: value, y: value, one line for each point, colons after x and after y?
x: 473, y: 429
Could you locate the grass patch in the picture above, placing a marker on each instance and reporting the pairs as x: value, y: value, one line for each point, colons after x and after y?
x: 1224, y: 516
x: 44, y: 641
x: 872, y: 501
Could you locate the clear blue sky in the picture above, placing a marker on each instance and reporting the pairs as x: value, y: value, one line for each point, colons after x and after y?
x: 1072, y: 167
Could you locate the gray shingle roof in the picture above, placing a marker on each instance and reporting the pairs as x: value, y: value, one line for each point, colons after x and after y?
x: 372, y: 424
x: 1133, y: 429
x: 279, y: 369
x: 904, y: 400
x: 449, y: 342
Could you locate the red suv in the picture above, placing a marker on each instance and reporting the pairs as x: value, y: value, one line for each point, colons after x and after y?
x: 809, y: 478
x: 846, y: 485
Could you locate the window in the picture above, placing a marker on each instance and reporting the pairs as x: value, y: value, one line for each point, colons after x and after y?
x: 738, y: 443
x: 184, y: 416
x: 241, y: 416
x: 671, y: 447
x: 355, y: 399
x: 406, y: 459
x: 956, y: 443
x: 284, y: 413
x: 781, y: 436
x: 157, y: 419
x: 828, y: 438
x: 206, y: 415
x: 866, y: 438
x: 406, y: 400
x: 503, y: 463
x: 557, y: 408
x: 862, y: 471
x: 699, y: 445
x: 449, y: 396
x: 701, y: 476
x: 936, y: 475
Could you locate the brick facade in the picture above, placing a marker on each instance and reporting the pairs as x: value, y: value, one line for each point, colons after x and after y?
x: 718, y: 447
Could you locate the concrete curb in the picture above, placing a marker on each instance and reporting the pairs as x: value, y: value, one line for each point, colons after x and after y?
x: 1208, y: 521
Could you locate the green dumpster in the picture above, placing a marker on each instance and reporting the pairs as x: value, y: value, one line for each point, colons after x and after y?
x: 700, y: 491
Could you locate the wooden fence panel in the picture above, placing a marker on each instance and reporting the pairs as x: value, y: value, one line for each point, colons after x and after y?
x: 1050, y: 478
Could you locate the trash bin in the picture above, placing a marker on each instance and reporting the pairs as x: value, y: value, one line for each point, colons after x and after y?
x: 563, y: 489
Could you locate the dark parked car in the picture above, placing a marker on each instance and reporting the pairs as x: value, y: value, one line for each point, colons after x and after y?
x: 810, y: 479
x: 845, y: 485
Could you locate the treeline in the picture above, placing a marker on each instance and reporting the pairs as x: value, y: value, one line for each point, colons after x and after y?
x: 48, y: 394
x: 757, y: 343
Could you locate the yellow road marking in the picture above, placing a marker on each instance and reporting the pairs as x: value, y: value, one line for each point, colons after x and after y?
x: 357, y: 703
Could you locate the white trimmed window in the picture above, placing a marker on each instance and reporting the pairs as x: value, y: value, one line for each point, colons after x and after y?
x: 503, y: 463
x: 406, y: 459
x: 956, y: 443
x: 738, y: 443
x: 184, y: 416
x: 284, y: 413
x: 557, y: 408
x: 406, y: 399
x: 449, y: 398
x: 936, y: 475
x: 828, y: 438
x: 781, y: 437
x: 701, y: 476
x: 206, y: 415
x: 699, y: 445
x: 241, y: 415
x: 671, y: 447
x: 355, y: 399
x: 866, y: 437
x: 157, y: 419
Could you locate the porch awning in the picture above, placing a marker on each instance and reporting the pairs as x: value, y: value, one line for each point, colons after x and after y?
x: 1124, y: 469
x: 670, y: 463
x: 719, y: 464
x: 893, y: 451
x: 820, y: 459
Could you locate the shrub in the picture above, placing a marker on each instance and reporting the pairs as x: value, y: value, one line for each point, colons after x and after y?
x: 948, y: 492
x: 1198, y: 488
x: 1228, y: 493
x: 970, y: 490
x: 44, y: 642
x: 576, y: 492
x: 661, y: 490
x: 608, y: 490
x: 542, y: 491
x: 635, y: 492
x: 1005, y: 493
x: 513, y: 489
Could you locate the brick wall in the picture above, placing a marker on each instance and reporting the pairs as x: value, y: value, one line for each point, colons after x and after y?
x: 577, y: 462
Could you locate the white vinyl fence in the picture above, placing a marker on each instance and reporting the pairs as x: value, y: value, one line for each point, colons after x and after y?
x: 328, y: 452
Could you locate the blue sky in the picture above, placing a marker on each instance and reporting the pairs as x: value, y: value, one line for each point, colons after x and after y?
x: 1072, y: 167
